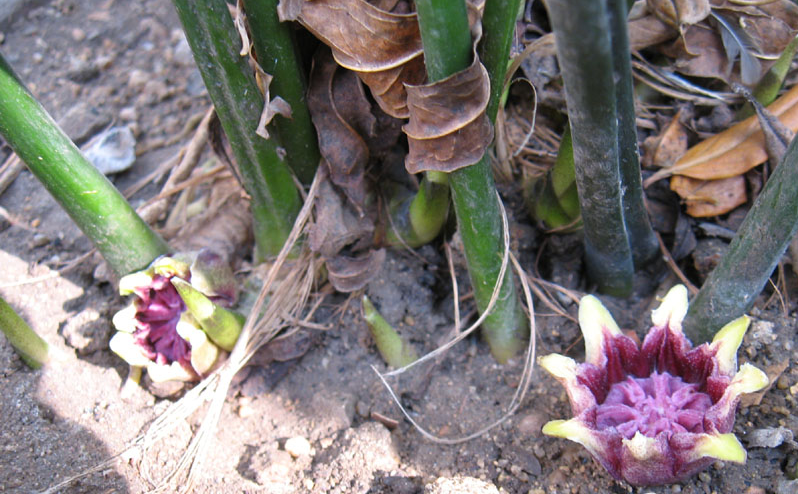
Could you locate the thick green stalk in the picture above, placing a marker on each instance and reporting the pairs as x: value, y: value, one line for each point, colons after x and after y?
x: 498, y: 27
x: 447, y: 50
x: 753, y: 254
x: 231, y: 85
x: 581, y: 30
x: 642, y: 240
x: 93, y: 203
x: 30, y: 347
x: 274, y: 45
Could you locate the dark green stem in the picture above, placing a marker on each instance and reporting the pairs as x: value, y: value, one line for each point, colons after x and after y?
x: 126, y: 242
x: 581, y: 30
x: 753, y: 254
x: 447, y: 50
x: 30, y: 347
x: 498, y: 27
x: 275, y: 47
x: 231, y: 85
x: 642, y: 240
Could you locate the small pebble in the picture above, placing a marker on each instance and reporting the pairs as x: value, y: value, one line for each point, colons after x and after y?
x: 245, y: 411
x: 754, y: 490
x: 298, y: 446
x: 78, y: 34
x: 36, y: 222
x: 704, y: 477
x: 676, y: 488
x: 39, y: 240
x: 783, y: 382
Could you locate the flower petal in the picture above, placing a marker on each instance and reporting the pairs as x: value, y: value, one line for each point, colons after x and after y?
x: 723, y: 447
x: 203, y: 352
x: 221, y: 325
x: 124, y: 345
x: 125, y: 319
x: 672, y: 310
x: 564, y: 369
x: 596, y: 324
x: 727, y: 341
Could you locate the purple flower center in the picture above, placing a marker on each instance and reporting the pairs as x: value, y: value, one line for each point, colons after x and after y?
x: 158, y: 312
x: 651, y: 405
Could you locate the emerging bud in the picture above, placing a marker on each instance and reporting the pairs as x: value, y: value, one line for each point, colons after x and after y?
x: 658, y: 413
x: 177, y: 323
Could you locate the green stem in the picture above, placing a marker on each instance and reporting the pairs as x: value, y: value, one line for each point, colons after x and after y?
x: 642, y: 240
x: 275, y: 47
x: 447, y: 50
x: 231, y: 85
x: 30, y: 347
x: 581, y: 30
x: 753, y: 254
x: 93, y: 203
x: 498, y: 27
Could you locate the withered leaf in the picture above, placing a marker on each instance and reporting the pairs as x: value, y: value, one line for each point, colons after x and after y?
x: 335, y: 226
x: 679, y: 12
x: 710, y: 197
x: 372, y: 42
x: 668, y: 146
x: 348, y: 274
x: 735, y: 150
x: 341, y: 114
x: 271, y: 107
x: 647, y: 31
x: 448, y: 127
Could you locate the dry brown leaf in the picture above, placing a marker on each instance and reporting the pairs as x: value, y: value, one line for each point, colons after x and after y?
x: 271, y: 107
x: 669, y: 145
x: 699, y: 52
x: 710, y: 197
x: 647, y: 31
x: 348, y: 274
x: 448, y: 127
x: 336, y: 226
x: 679, y: 12
x: 735, y: 150
x: 384, y: 48
x: 341, y: 114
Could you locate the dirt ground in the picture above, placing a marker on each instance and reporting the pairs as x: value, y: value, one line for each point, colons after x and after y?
x: 96, y: 62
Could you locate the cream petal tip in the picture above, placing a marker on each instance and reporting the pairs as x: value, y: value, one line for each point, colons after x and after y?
x: 125, y: 319
x: 640, y: 446
x: 571, y: 429
x: 749, y: 379
x: 595, y: 321
x: 725, y: 447
x: 672, y: 309
x: 124, y: 345
x: 728, y: 340
x: 135, y: 280
x: 559, y: 366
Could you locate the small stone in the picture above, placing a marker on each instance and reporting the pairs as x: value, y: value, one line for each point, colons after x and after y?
x: 676, y: 488
x: 78, y: 34
x: 362, y: 408
x: 326, y: 442
x: 37, y: 57
x: 129, y: 114
x: 704, y: 477
x: 754, y: 490
x: 36, y: 222
x: 137, y: 79
x: 39, y: 240
x: 298, y: 446
x: 308, y: 484
x: 783, y: 382
x: 531, y: 424
x: 245, y: 411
